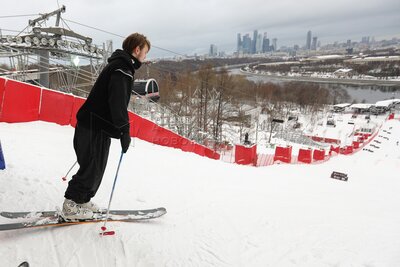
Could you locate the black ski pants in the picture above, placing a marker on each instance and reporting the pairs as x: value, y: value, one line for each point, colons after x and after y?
x: 91, y: 148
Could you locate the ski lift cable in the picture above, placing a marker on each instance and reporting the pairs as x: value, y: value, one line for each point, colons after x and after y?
x: 64, y: 22
x: 9, y: 30
x: 16, y: 16
x: 118, y: 35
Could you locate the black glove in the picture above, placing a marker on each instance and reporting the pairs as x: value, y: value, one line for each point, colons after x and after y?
x: 125, y: 141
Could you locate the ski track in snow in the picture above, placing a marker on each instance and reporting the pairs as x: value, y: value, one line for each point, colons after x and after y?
x: 219, y: 214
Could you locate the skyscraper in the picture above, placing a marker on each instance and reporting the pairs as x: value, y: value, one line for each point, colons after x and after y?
x: 259, y: 44
x: 254, y: 42
x: 314, y: 43
x: 265, y: 43
x: 308, y: 42
x: 246, y: 44
x: 239, y: 43
x: 275, y: 44
x: 213, y: 50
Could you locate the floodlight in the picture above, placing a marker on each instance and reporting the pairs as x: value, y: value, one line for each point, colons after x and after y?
x: 10, y: 39
x: 44, y: 41
x: 61, y: 43
x: 28, y: 40
x: 36, y: 40
x: 18, y: 40
x: 52, y: 42
x: 75, y: 61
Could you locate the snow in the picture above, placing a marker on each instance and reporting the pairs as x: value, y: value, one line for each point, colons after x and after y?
x: 219, y: 214
x: 342, y: 105
x: 387, y: 103
x: 361, y: 106
x: 342, y: 70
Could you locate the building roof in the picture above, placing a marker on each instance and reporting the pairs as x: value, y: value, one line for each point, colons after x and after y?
x: 343, y: 105
x: 361, y: 106
x: 387, y: 103
x: 343, y: 70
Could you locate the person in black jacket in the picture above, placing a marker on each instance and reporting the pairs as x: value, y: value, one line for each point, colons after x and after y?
x: 103, y: 116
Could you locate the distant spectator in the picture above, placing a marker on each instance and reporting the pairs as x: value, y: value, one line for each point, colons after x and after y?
x: 246, y: 139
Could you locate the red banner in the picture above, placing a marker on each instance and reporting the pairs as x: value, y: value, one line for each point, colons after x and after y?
x: 56, y: 107
x: 356, y: 144
x: 346, y: 150
x: 246, y: 155
x: 2, y: 83
x: 334, y: 149
x: 20, y: 102
x: 319, y: 155
x: 77, y: 104
x: 305, y: 155
x: 151, y: 132
x: 283, y: 154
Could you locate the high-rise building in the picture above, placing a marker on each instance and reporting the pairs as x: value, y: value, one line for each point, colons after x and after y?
x: 365, y: 40
x: 259, y: 44
x: 308, y: 41
x: 275, y: 44
x: 266, y: 46
x: 348, y: 44
x: 213, y: 50
x: 254, y: 42
x: 264, y: 43
x: 246, y: 44
x: 314, y: 43
x: 239, y: 43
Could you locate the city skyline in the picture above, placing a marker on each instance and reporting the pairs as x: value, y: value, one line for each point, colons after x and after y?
x: 189, y: 27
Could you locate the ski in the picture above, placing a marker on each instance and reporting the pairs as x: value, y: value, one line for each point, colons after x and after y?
x: 56, y: 220
x: 42, y: 214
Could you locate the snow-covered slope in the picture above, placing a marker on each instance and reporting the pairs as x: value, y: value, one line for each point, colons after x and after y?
x: 219, y: 214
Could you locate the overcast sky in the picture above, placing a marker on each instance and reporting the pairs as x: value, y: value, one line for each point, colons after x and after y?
x: 190, y: 26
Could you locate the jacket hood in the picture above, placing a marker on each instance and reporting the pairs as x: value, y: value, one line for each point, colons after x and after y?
x: 126, y: 58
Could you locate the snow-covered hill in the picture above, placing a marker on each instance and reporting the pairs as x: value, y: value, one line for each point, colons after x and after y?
x: 219, y: 214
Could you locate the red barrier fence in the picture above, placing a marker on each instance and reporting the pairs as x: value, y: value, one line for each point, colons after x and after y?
x: 56, y: 107
x: 78, y: 102
x: 21, y: 102
x: 246, y: 155
x: 319, y: 154
x: 283, y: 154
x: 391, y: 116
x: 356, y: 144
x: 334, y: 149
x: 305, y: 155
x: 2, y: 82
x: 346, y: 150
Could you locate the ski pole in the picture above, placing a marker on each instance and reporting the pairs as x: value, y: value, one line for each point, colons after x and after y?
x: 70, y: 169
x: 104, y: 228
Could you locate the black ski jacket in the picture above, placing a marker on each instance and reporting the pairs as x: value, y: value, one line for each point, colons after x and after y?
x: 105, y: 109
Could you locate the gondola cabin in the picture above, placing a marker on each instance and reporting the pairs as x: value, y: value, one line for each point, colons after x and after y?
x: 147, y: 88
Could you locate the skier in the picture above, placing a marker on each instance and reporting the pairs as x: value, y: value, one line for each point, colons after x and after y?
x: 103, y: 116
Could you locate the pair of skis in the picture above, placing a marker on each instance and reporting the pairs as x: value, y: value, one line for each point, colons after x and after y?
x: 53, y: 218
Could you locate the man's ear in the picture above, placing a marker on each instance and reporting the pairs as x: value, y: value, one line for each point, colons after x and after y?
x: 137, y: 50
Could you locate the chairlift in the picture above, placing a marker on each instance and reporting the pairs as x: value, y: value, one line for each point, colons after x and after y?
x: 147, y: 89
